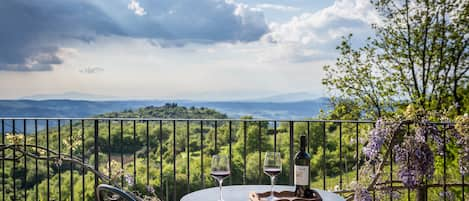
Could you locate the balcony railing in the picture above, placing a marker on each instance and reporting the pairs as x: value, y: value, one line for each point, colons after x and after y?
x: 173, y: 155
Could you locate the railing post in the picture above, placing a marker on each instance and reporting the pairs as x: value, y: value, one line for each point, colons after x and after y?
x: 96, y: 151
x: 445, y: 189
x: 174, y: 160
x: 59, y: 166
x: 324, y: 162
x: 14, y: 162
x: 135, y: 154
x: 71, y: 165
x: 357, y: 152
x: 244, y: 151
x: 308, y: 139
x: 341, y: 166
x: 47, y: 162
x: 36, y: 176
x: 109, y: 147
x: 3, y: 161
x: 216, y: 137
x: 83, y: 157
x: 259, y: 173
x: 275, y: 136
x: 292, y: 160
x: 121, y: 149
x: 202, y: 153
x: 161, y: 157
x: 147, y: 131
x: 230, y: 149
x: 188, y: 151
x: 25, y: 162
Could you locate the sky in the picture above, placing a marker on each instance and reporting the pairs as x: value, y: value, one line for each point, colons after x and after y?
x: 174, y: 49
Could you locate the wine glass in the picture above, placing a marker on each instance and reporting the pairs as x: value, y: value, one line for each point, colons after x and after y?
x: 272, y: 168
x: 220, y: 170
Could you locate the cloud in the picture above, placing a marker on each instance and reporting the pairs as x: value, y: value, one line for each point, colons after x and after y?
x: 135, y: 6
x: 312, y: 36
x: 33, y: 32
x: 43, y: 59
x: 277, y: 7
x: 91, y: 70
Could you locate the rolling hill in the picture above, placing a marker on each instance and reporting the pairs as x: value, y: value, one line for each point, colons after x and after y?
x: 234, y: 109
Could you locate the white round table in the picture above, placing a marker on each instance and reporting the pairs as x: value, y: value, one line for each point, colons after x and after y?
x: 241, y: 192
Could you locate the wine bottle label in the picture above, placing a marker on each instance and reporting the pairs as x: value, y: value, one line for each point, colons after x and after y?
x: 301, y: 175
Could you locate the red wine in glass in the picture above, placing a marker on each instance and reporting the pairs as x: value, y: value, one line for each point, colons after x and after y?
x: 220, y: 175
x: 272, y: 172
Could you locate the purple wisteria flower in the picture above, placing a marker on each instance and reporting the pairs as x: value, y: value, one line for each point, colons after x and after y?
x: 396, y: 195
x: 464, y: 161
x: 427, y: 130
x: 377, y: 137
x: 408, y: 177
x: 461, y: 133
x: 415, y: 160
x: 362, y: 194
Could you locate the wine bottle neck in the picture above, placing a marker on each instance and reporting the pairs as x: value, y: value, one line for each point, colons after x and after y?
x: 302, y: 143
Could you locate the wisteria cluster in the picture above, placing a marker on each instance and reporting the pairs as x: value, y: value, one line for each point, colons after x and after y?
x: 464, y: 161
x: 376, y: 138
x: 427, y: 130
x: 411, y: 150
x: 362, y: 194
x: 462, y: 135
x: 415, y: 160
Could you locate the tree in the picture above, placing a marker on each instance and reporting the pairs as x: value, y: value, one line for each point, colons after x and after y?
x: 419, y: 55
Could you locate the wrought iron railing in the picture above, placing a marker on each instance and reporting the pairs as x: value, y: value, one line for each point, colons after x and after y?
x: 21, y: 181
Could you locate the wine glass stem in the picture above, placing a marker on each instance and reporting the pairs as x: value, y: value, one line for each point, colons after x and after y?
x: 272, y: 180
x: 221, y: 184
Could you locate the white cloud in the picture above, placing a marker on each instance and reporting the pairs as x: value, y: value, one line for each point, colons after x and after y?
x: 327, y: 24
x: 314, y: 35
x: 134, y: 5
x: 277, y: 7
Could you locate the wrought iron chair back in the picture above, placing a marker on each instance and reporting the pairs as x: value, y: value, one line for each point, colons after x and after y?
x: 105, y: 192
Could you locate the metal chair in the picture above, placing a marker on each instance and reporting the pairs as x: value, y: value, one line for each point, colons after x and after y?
x: 106, y: 192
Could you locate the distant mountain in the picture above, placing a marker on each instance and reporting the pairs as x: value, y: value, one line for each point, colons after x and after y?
x: 269, y: 110
x: 288, y: 97
x: 65, y: 108
x: 78, y: 108
x: 71, y: 95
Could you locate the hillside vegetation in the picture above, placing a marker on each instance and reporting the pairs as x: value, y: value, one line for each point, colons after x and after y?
x: 167, y: 111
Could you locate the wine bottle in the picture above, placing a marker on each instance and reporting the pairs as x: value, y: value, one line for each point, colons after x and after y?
x: 301, y: 171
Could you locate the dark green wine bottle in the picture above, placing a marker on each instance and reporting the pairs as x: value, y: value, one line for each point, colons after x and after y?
x: 302, y: 169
